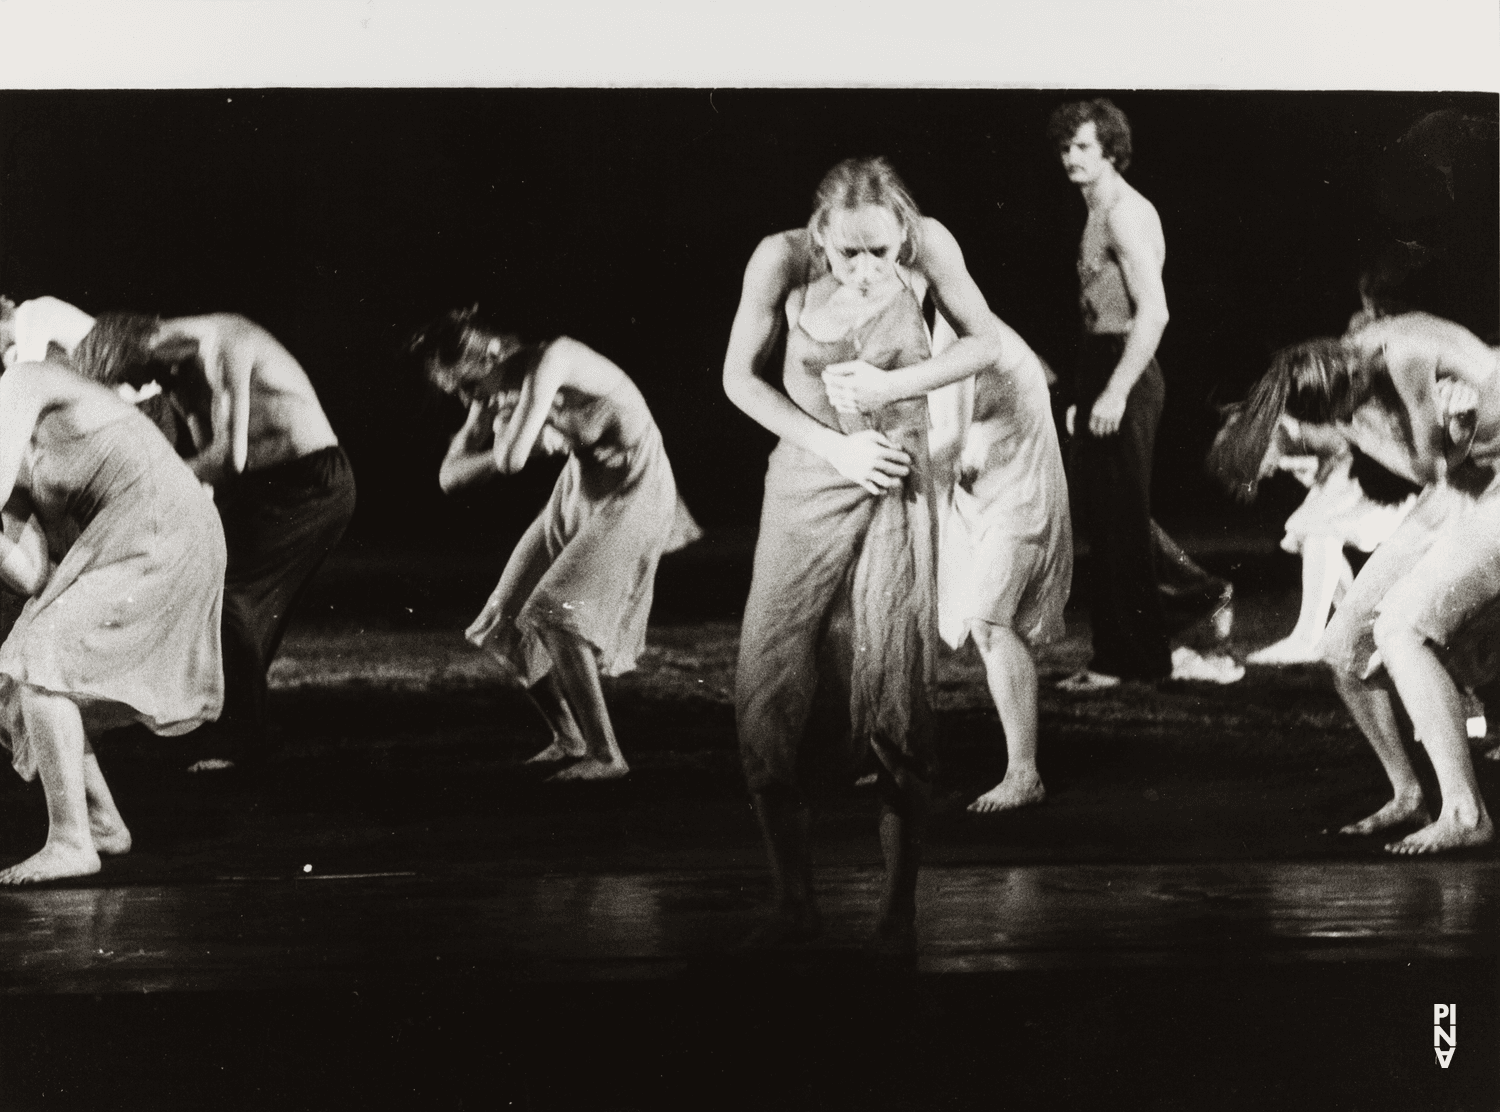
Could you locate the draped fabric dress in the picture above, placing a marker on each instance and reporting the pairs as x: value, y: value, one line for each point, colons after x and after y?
x: 127, y: 627
x: 587, y: 565
x: 1006, y: 553
x: 844, y: 587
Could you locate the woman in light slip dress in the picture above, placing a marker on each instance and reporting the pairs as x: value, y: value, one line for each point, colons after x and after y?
x: 576, y: 593
x: 1005, y: 563
x: 125, y: 628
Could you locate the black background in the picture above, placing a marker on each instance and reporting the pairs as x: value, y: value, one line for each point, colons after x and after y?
x: 343, y: 219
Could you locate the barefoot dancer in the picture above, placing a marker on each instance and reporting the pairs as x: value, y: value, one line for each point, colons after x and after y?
x: 576, y: 593
x: 1005, y: 564
x: 1438, y: 569
x: 126, y: 628
x: 848, y: 513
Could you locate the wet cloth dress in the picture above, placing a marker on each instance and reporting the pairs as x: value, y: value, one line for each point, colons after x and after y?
x: 128, y: 625
x: 587, y: 565
x: 1006, y: 553
x: 844, y: 587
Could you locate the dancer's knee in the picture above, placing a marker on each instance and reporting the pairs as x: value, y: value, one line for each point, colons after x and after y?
x: 1396, y: 635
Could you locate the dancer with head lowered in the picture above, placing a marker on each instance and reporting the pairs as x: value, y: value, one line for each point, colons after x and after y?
x: 848, y: 522
x: 1421, y: 395
x: 125, y: 628
x: 576, y: 593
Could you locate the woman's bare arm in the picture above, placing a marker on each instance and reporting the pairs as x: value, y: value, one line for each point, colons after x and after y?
x: 25, y: 564
x: 867, y: 458
x: 469, y: 459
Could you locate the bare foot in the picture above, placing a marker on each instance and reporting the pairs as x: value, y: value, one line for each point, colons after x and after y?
x: 895, y: 937
x: 1020, y: 790
x: 591, y: 769
x: 54, y: 861
x: 786, y: 926
x: 1087, y: 682
x: 111, y: 836
x: 557, y: 751
x: 211, y: 764
x: 1403, y: 809
x: 1293, y: 650
x: 1447, y: 833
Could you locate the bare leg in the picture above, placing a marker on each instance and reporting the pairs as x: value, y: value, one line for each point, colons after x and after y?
x: 903, y: 816
x: 55, y: 729
x: 1012, y: 679
x: 1370, y: 706
x: 1432, y: 701
x: 1324, y: 570
x: 784, y: 822
x: 577, y: 675
x: 106, y: 826
x: 567, y: 738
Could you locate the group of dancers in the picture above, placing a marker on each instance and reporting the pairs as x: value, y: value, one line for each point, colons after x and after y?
x: 169, y: 487
x: 917, y: 493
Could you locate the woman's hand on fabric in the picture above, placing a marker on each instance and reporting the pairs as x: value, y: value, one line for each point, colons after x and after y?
x: 868, y: 459
x: 856, y: 387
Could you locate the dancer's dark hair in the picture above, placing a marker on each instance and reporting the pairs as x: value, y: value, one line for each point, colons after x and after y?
x: 466, y: 352
x: 1110, y: 125
x: 1319, y: 381
x: 122, y: 348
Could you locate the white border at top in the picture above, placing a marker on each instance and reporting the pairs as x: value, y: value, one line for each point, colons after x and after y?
x: 1115, y: 44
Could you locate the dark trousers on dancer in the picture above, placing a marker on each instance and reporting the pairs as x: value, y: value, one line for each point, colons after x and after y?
x: 1112, y: 481
x: 280, y: 523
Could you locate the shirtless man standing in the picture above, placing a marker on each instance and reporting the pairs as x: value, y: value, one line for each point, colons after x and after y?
x: 285, y: 493
x: 1116, y: 394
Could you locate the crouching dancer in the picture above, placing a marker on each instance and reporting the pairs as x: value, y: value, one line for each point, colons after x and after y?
x: 1441, y: 387
x: 125, y: 628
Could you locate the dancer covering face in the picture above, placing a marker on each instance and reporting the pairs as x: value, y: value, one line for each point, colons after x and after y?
x: 125, y: 628
x: 1428, y: 390
x: 575, y: 595
x: 842, y: 600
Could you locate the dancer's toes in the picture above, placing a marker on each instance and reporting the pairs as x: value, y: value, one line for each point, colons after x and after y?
x: 786, y: 926
x: 1087, y: 682
x: 1398, y: 812
x: 211, y: 764
x: 1010, y: 793
x: 555, y: 752
x: 591, y: 768
x: 55, y: 861
x: 1188, y: 664
x: 1445, y: 834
